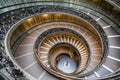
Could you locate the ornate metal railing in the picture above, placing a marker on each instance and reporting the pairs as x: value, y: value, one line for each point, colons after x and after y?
x: 10, y: 18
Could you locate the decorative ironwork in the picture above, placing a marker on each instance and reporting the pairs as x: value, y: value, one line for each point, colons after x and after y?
x: 10, y: 18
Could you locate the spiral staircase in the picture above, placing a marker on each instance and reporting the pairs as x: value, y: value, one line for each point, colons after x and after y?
x: 43, y: 40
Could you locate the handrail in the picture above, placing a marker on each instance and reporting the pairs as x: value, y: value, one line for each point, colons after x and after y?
x: 114, y: 3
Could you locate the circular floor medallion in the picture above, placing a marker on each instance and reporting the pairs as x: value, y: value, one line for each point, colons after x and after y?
x: 66, y: 64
